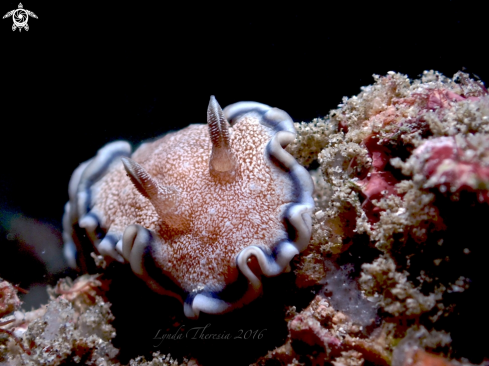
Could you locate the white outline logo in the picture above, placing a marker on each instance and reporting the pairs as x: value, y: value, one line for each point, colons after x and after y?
x: 20, y: 17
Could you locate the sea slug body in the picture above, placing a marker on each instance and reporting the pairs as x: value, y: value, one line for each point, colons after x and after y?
x: 199, y: 214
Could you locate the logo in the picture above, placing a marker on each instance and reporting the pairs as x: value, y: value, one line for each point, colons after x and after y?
x: 20, y: 17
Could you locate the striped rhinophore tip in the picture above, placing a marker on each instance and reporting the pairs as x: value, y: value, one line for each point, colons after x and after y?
x: 222, y: 160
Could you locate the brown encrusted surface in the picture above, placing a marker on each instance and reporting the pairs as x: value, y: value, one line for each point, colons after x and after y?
x: 402, y: 197
x: 321, y: 334
x: 73, y: 327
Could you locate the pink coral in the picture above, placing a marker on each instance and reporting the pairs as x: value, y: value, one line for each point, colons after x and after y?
x: 454, y: 164
x: 390, y: 135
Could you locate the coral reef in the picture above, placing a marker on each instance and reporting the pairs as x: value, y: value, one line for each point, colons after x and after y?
x: 402, y: 192
x: 396, y: 263
x: 74, y: 327
x: 320, y: 333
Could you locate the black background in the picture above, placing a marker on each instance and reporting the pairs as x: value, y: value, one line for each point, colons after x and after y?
x: 89, y: 73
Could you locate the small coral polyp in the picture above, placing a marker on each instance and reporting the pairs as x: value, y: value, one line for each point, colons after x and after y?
x: 194, y: 211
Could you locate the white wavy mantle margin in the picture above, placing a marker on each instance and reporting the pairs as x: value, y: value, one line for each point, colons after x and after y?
x: 298, y: 213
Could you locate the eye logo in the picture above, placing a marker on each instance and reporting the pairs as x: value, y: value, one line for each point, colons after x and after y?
x: 20, y: 17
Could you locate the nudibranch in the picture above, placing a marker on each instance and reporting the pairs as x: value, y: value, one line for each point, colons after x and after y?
x: 200, y: 214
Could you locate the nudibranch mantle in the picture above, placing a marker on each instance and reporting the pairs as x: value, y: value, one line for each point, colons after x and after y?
x: 199, y: 214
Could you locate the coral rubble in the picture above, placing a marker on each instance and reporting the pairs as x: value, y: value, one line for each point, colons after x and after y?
x: 9, y: 300
x: 74, y: 327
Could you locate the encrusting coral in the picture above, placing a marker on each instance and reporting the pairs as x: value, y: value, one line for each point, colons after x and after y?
x: 402, y: 197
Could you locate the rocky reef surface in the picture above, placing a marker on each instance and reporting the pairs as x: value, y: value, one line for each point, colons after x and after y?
x: 401, y: 202
x: 394, y: 273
